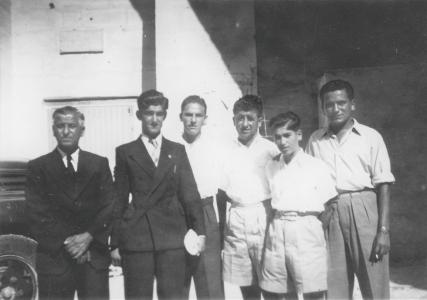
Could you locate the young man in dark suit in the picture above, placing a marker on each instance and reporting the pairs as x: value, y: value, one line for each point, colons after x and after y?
x: 69, y: 204
x: 149, y: 228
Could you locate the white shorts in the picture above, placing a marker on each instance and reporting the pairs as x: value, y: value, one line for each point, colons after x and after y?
x: 295, y: 258
x: 243, y: 243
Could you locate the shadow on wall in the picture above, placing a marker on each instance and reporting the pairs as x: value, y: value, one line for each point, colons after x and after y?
x: 231, y: 27
x: 146, y: 11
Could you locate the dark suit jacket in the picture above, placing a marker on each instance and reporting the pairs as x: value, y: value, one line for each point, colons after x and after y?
x: 58, y: 207
x: 165, y: 200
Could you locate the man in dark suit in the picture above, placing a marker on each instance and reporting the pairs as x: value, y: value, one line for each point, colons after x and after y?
x: 69, y: 204
x: 149, y: 228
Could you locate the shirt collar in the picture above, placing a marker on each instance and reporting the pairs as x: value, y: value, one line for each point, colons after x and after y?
x: 355, y: 128
x: 196, y: 141
x: 295, y: 159
x: 146, y: 139
x: 254, y: 141
x: 74, y: 155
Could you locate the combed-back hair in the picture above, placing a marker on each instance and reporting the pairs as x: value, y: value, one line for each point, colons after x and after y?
x: 194, y: 99
x: 247, y: 103
x: 337, y: 85
x: 152, y: 97
x: 289, y: 119
x: 69, y: 110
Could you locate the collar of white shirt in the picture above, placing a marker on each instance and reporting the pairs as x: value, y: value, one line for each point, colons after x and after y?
x: 146, y: 140
x: 74, y: 158
x: 293, y: 160
x: 256, y: 139
x: 354, y: 128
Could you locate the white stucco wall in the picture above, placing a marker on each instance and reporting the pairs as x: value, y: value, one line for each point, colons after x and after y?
x: 39, y: 72
x: 188, y: 62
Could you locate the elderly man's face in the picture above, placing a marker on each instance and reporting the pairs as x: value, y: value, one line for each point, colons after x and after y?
x: 67, y: 131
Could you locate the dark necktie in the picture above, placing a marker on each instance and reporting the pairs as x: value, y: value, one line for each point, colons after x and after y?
x: 70, y: 166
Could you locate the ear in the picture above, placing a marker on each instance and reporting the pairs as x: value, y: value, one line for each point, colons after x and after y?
x: 53, y: 129
x: 353, y: 105
x: 204, y: 120
x: 83, y: 131
x: 260, y: 121
x: 180, y: 116
x: 299, y: 135
x: 138, y: 114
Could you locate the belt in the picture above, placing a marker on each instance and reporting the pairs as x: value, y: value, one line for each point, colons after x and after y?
x: 347, y: 194
x: 265, y: 202
x: 207, y: 200
x: 292, y: 214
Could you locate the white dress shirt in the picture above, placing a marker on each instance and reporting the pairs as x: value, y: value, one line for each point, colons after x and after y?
x: 205, y: 159
x: 302, y: 185
x: 244, y: 179
x: 153, y: 147
x: 360, y: 160
x: 74, y: 158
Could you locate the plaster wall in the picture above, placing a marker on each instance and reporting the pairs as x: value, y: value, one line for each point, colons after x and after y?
x: 198, y: 52
x: 39, y: 72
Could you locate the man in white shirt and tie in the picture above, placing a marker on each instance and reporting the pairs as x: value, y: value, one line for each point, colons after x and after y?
x: 205, y: 161
x: 245, y: 186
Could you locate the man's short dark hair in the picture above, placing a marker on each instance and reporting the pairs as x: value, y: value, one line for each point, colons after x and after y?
x: 337, y: 85
x: 194, y: 99
x: 247, y: 103
x: 289, y: 119
x: 152, y: 97
x: 69, y: 110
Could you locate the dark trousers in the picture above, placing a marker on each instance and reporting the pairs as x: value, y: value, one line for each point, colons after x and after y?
x: 140, y: 269
x: 86, y: 280
x: 206, y: 269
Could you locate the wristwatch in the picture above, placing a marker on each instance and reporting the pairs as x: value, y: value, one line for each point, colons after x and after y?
x: 384, y: 230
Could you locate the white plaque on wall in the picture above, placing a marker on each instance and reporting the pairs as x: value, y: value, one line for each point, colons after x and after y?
x: 81, y: 41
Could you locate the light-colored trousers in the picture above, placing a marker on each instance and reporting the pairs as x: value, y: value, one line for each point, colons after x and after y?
x: 350, y: 236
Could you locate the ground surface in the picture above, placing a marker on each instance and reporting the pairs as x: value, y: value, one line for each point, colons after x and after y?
x: 408, y: 281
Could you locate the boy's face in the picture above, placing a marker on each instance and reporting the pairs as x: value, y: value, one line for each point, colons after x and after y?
x: 338, y: 107
x: 247, y: 124
x: 287, y: 140
x: 193, y: 118
x: 152, y: 120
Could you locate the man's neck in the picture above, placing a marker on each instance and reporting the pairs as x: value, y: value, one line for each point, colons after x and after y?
x: 249, y: 142
x: 151, y: 137
x: 190, y: 138
x: 68, y: 151
x: 341, y: 130
x: 288, y: 158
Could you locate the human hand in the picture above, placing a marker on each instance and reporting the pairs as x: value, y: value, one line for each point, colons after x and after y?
x: 77, y: 244
x: 380, y: 247
x: 116, y: 259
x: 85, y: 257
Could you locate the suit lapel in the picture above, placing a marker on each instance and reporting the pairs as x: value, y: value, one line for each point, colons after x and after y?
x: 139, y: 154
x: 58, y: 173
x: 165, y: 162
x: 85, y: 171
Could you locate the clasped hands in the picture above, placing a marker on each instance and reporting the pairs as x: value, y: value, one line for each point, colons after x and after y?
x: 77, y: 246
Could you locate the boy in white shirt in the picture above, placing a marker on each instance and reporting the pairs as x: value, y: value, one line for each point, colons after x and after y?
x: 295, y: 250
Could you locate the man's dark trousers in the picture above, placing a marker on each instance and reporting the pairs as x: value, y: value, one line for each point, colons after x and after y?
x: 206, y: 269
